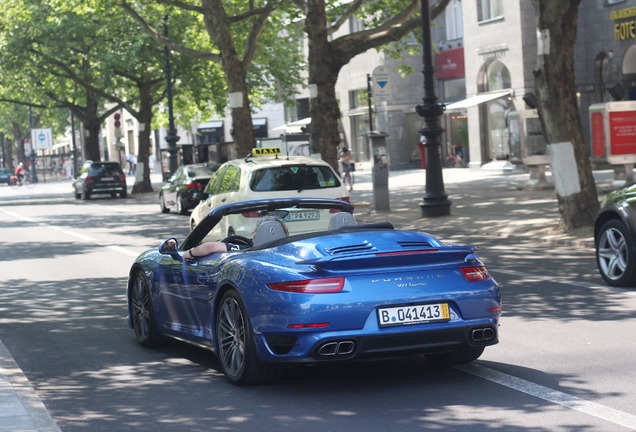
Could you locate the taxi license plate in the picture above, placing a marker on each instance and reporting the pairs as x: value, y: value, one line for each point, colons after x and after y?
x: 303, y: 215
x: 414, y: 314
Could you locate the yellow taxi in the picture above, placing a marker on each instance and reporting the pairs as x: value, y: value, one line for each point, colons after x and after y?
x: 265, y: 174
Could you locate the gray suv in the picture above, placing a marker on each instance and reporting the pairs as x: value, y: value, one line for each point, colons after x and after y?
x: 100, y: 178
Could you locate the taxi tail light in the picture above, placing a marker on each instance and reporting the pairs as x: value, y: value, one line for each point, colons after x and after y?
x: 335, y: 210
x: 310, y: 286
x: 474, y: 274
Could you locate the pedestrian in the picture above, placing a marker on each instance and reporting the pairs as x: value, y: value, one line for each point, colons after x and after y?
x: 68, y: 168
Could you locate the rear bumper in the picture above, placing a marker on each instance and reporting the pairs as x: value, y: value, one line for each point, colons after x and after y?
x: 105, y: 188
x: 307, y: 348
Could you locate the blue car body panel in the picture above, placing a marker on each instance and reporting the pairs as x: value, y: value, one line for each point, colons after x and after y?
x: 381, y: 268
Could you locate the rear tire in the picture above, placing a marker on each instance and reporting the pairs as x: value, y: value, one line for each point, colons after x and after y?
x: 123, y: 193
x: 182, y: 208
x: 235, y: 344
x: 162, y: 204
x: 86, y: 195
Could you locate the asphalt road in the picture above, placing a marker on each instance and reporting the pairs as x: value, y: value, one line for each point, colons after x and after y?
x: 565, y: 361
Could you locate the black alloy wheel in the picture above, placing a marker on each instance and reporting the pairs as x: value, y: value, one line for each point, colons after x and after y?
x: 182, y: 208
x: 143, y: 314
x: 235, y: 344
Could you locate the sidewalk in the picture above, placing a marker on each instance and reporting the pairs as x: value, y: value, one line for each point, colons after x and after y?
x: 487, y: 203
x: 483, y: 202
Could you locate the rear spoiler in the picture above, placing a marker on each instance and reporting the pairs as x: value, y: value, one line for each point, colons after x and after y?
x: 451, y: 256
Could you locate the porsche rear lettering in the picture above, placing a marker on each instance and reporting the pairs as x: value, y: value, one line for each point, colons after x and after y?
x: 409, y: 278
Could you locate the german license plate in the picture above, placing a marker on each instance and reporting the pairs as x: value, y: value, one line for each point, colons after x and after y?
x: 414, y: 314
x: 303, y: 215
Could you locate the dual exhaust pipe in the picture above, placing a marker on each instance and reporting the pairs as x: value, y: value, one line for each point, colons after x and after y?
x: 336, y: 348
x: 481, y: 335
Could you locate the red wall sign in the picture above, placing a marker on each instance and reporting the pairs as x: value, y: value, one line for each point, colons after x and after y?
x: 449, y: 64
x: 598, y: 134
x: 622, y: 132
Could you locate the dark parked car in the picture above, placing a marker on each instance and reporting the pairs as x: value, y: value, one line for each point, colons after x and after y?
x: 178, y: 192
x: 100, y: 178
x: 614, y: 237
x: 5, y: 175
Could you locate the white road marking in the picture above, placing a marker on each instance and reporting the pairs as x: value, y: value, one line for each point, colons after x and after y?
x: 75, y: 234
x: 591, y: 408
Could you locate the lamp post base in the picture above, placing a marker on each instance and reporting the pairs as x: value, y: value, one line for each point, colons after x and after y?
x: 435, y: 207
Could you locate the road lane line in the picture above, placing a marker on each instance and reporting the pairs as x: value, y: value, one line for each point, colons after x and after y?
x: 75, y: 234
x: 569, y: 401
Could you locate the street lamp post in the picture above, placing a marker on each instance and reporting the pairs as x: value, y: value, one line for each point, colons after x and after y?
x: 172, y: 137
x: 435, y: 202
x: 34, y: 174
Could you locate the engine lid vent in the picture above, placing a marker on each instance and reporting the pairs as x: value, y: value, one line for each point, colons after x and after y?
x: 415, y: 244
x: 351, y: 249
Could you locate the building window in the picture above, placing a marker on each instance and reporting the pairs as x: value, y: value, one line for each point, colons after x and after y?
x: 355, y: 24
x: 358, y: 99
x: 489, y: 9
x: 454, y: 25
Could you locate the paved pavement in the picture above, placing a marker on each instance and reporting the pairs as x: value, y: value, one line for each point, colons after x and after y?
x: 482, y: 202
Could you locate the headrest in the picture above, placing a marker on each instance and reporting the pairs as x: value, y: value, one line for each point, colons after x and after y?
x: 269, y: 231
x: 341, y: 219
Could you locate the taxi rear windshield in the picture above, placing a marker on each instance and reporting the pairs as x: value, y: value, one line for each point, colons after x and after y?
x: 293, y: 177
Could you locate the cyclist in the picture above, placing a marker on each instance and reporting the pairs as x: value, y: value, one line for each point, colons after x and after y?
x: 21, y: 173
x: 344, y: 157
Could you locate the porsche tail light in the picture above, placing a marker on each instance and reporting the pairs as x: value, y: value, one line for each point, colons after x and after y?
x: 251, y: 215
x: 310, y: 286
x: 474, y: 274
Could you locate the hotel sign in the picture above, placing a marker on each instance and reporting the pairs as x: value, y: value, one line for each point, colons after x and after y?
x: 624, y: 30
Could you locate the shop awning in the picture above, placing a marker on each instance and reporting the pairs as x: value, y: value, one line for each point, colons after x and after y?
x: 478, y: 99
x: 293, y: 127
x: 214, y: 124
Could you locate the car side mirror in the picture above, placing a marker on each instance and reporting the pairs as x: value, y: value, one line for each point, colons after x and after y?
x: 170, y: 247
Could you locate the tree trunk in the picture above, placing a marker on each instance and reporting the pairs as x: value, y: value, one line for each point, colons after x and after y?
x: 145, y: 118
x: 92, y: 125
x: 323, y: 72
x: 559, y: 114
x: 19, y: 143
x: 8, y: 153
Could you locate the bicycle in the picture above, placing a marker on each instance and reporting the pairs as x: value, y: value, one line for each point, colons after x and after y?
x: 348, y: 177
x: 24, y: 181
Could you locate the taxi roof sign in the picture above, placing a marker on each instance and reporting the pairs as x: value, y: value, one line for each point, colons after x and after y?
x: 265, y: 151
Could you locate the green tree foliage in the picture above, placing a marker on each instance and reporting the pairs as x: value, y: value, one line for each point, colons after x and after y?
x: 385, y: 21
x: 260, y: 58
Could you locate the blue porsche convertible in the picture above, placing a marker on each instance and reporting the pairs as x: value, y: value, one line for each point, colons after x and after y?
x: 350, y: 292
